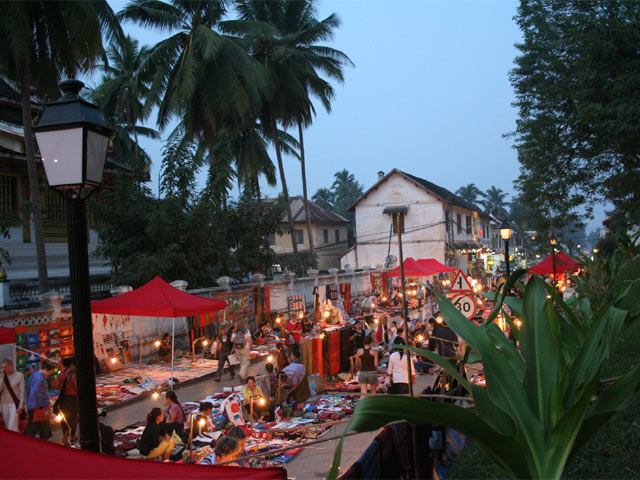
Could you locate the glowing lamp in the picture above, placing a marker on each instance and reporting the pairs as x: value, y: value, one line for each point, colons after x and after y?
x: 58, y: 417
x: 327, y: 314
x: 518, y: 323
x: 261, y: 402
x: 270, y: 358
x: 205, y: 342
x: 157, y: 343
x: 114, y: 360
x: 278, y: 320
x: 322, y: 335
x: 202, y: 422
x: 300, y: 315
x: 506, y: 233
x: 373, y: 305
x: 439, y: 319
x: 420, y: 338
x: 553, y: 241
x: 384, y: 299
x: 155, y: 395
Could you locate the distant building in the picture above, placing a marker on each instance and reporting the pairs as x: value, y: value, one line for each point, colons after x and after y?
x: 14, y: 193
x: 329, y: 232
x: 438, y: 224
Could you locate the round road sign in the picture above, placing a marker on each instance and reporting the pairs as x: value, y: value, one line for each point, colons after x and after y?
x: 466, y: 304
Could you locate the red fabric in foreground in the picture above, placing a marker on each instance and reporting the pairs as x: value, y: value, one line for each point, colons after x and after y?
x: 27, y: 457
x: 157, y: 299
x: 433, y: 265
x: 7, y: 335
x: 563, y: 264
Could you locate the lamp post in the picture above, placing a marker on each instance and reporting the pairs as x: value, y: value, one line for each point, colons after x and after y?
x: 553, y: 242
x: 505, y: 233
x: 73, y: 140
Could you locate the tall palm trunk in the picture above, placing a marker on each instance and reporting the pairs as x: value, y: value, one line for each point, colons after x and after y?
x: 285, y: 194
x: 34, y: 188
x: 314, y: 260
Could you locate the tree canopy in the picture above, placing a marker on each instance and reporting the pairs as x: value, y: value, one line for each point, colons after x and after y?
x: 577, y: 83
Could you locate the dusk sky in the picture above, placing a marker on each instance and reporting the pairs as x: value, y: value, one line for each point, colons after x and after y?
x: 429, y: 94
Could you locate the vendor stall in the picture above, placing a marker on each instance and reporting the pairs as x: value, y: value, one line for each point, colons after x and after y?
x: 158, y: 299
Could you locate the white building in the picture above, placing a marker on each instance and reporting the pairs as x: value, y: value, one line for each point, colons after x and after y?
x: 438, y: 224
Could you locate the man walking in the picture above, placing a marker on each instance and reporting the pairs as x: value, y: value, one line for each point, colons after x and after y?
x: 225, y: 347
x: 11, y: 395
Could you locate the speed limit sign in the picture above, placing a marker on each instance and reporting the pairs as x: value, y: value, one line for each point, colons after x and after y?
x: 466, y: 304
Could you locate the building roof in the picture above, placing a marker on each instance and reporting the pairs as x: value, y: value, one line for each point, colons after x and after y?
x: 440, y: 192
x: 318, y: 214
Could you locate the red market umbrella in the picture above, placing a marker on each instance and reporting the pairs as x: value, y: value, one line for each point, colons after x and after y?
x: 157, y: 299
x: 28, y: 457
x: 563, y: 264
x: 411, y: 269
x: 434, y: 266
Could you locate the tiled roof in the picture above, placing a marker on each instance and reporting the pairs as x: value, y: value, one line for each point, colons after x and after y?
x: 318, y: 214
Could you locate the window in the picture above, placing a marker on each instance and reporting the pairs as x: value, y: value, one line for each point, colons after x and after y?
x: 299, y: 235
x: 326, y: 235
x: 8, y: 194
x: 271, y: 238
x: 337, y: 236
x: 395, y: 223
x: 469, y: 225
x: 459, y: 222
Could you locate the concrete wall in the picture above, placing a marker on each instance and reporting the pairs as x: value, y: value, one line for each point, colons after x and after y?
x: 329, y: 253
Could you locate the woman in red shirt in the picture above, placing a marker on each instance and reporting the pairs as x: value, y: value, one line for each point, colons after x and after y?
x: 293, y: 333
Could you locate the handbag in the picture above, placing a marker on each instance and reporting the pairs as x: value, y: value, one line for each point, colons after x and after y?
x: 233, y: 359
x: 41, y: 414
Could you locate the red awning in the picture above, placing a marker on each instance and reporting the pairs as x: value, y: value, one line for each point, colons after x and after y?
x: 27, y: 457
x: 157, y: 299
x: 434, y: 266
x: 7, y: 335
x: 563, y: 264
x: 411, y: 269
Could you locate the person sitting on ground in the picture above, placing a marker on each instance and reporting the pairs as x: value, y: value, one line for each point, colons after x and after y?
x: 164, y: 351
x: 253, y: 394
x: 273, y: 379
x: 227, y: 448
x: 205, y: 414
x: 368, y: 378
x: 155, y: 442
x: 240, y: 436
x: 419, y: 329
x: 174, y: 415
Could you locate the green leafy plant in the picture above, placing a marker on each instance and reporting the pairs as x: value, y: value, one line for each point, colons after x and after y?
x: 541, y: 402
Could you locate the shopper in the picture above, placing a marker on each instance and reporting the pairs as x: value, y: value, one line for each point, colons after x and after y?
x: 155, y: 442
x: 273, y: 380
x: 174, y: 415
x: 242, y: 345
x: 225, y: 347
x: 38, y: 403
x: 368, y: 378
x: 397, y: 369
x: 293, y: 333
x: 11, y: 395
x: 282, y: 359
x: 357, y: 339
x: 68, y: 400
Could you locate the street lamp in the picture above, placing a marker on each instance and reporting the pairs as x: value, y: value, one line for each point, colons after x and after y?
x: 73, y: 140
x: 505, y: 233
x: 553, y: 242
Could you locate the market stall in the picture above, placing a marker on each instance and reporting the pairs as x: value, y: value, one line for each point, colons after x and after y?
x: 558, y: 263
x: 158, y: 299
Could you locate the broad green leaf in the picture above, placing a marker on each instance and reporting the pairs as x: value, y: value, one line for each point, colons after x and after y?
x: 376, y: 411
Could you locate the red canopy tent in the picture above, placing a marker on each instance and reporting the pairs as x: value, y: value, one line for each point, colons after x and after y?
x: 411, y: 269
x: 27, y: 457
x: 563, y: 264
x: 434, y: 266
x: 7, y: 335
x: 158, y: 299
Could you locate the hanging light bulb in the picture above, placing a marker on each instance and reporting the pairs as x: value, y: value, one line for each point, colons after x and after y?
x: 261, y: 402
x: 59, y: 417
x: 202, y: 422
x: 157, y: 343
x: 155, y: 395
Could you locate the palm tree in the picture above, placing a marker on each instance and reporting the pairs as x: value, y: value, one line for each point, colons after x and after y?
x: 125, y: 88
x: 299, y: 22
x: 469, y: 193
x: 324, y: 197
x: 201, y: 76
x: 494, y: 201
x: 42, y: 40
